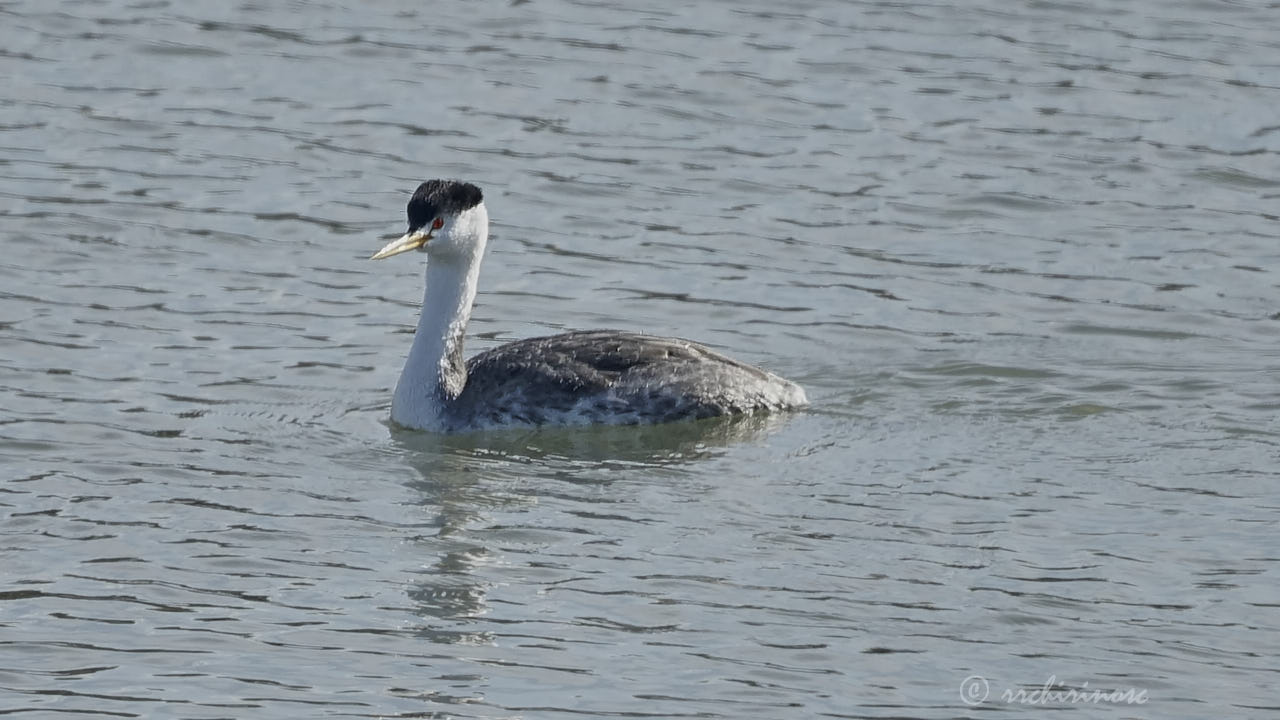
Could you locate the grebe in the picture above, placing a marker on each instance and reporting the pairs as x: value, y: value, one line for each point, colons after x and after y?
x: 576, y: 378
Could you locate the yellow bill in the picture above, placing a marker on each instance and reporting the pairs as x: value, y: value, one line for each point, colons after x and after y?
x: 409, y: 241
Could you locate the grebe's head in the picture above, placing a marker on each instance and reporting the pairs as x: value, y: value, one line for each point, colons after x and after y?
x: 447, y: 219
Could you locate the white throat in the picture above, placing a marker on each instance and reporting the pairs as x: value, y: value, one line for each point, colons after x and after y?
x: 435, y: 371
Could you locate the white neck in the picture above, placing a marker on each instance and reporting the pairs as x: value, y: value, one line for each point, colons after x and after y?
x: 435, y: 372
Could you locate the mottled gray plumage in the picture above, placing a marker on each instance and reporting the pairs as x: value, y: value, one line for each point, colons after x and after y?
x: 609, y: 376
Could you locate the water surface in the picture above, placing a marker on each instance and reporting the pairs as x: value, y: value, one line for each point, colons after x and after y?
x: 1021, y: 255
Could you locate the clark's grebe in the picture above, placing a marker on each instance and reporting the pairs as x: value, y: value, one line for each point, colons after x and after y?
x: 592, y: 376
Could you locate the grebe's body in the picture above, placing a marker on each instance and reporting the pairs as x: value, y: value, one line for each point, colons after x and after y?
x: 589, y: 377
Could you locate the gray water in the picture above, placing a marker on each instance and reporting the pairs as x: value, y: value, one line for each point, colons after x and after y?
x: 1021, y: 254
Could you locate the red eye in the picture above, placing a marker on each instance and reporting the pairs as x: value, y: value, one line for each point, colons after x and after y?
x: 439, y: 223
